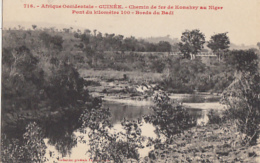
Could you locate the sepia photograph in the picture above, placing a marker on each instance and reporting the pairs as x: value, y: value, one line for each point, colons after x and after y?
x: 130, y: 81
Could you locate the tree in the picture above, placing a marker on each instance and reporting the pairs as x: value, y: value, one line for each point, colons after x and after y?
x: 164, y: 46
x: 185, y: 76
x: 242, y: 96
x: 104, y: 145
x: 169, y: 118
x: 87, y: 31
x: 34, y: 26
x: 219, y: 43
x: 30, y: 149
x: 192, y: 43
x: 242, y: 60
x: 51, y: 42
x: 243, y: 101
x: 258, y: 44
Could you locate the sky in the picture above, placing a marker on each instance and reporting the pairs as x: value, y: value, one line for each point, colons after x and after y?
x: 240, y: 18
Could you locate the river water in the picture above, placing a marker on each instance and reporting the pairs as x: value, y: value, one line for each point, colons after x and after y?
x: 129, y: 109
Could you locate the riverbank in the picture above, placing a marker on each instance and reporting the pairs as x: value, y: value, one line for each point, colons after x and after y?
x: 138, y: 89
x: 210, y: 143
x: 203, y: 106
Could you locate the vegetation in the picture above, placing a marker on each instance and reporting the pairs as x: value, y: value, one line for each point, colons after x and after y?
x: 187, y: 76
x: 104, y: 145
x: 30, y: 149
x: 40, y: 85
x: 169, y: 119
x: 214, y: 117
x: 243, y: 61
x: 192, y: 43
x: 43, y: 90
x: 219, y: 43
x: 85, y: 50
x: 242, y: 96
x: 219, y: 140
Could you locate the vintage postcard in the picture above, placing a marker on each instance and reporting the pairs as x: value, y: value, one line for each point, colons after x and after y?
x: 130, y: 81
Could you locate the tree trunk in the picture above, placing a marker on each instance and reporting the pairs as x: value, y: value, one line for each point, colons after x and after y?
x: 218, y: 54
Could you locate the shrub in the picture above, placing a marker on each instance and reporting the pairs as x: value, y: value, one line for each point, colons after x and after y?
x: 242, y: 60
x: 31, y: 149
x: 243, y: 101
x: 169, y: 118
x: 117, y: 147
x: 242, y: 96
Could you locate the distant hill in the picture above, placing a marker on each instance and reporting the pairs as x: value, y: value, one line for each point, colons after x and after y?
x: 242, y: 47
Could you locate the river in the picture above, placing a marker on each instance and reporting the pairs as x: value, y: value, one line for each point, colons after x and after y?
x: 129, y: 109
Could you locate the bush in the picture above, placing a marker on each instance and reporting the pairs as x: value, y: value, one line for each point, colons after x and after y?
x: 117, y: 147
x: 242, y: 96
x: 31, y: 149
x: 242, y: 60
x: 243, y: 100
x: 169, y: 118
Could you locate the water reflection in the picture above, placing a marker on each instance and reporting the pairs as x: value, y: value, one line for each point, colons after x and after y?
x: 118, y: 111
x: 131, y: 112
x: 64, y: 144
x: 60, y: 131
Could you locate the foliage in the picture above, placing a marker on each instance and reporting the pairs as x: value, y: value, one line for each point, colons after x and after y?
x: 124, y: 145
x: 66, y: 87
x: 164, y: 46
x: 184, y: 75
x: 258, y: 44
x: 110, y: 51
x: 218, y: 43
x: 169, y: 119
x: 105, y: 145
x: 158, y: 65
x: 187, y: 76
x: 242, y: 60
x: 192, y: 43
x: 41, y: 84
x: 30, y: 149
x: 242, y: 98
x: 34, y: 26
x: 22, y: 79
x: 51, y: 41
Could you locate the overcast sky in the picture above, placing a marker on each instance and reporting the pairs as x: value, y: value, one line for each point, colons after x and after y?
x: 240, y: 18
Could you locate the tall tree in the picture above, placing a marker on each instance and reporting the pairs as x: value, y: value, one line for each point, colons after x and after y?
x: 218, y: 43
x: 258, y: 44
x: 192, y: 43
